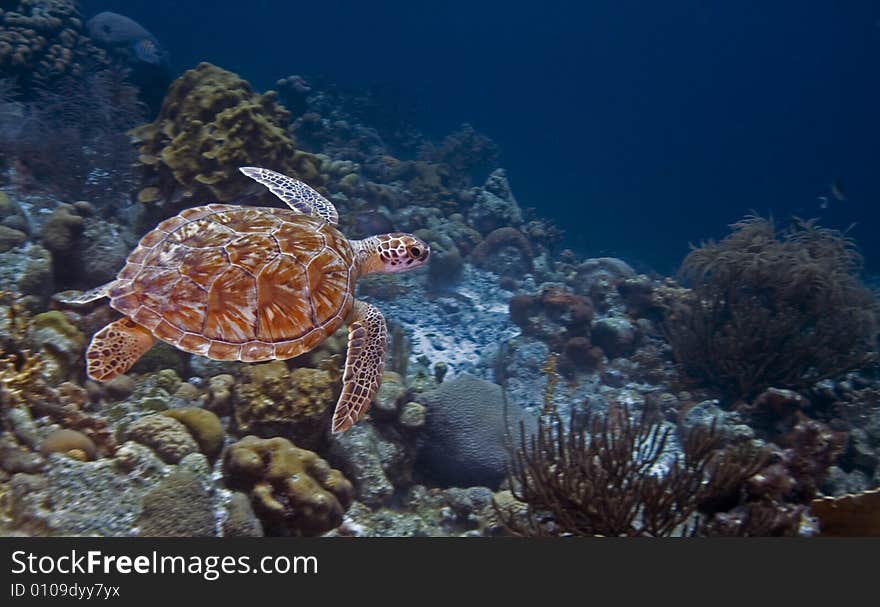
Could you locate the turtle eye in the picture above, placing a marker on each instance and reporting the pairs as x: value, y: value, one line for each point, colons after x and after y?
x: 415, y: 251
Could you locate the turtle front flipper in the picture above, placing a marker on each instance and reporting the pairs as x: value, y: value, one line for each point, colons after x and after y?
x: 364, y: 365
x: 115, y: 348
x: 295, y: 193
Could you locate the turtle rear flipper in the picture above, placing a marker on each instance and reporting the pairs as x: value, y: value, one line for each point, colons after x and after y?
x: 81, y: 298
x: 364, y: 365
x: 115, y: 348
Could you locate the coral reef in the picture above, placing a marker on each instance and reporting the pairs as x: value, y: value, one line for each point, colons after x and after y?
x: 69, y: 138
x: 169, y: 438
x: 25, y: 393
x: 27, y: 270
x: 75, y: 444
x: 563, y: 320
x: 211, y: 123
x: 467, y: 153
x: 292, y: 490
x: 178, y: 506
x: 506, y: 347
x: 494, y: 205
x: 601, y: 480
x: 272, y: 401
x: 85, y: 498
x: 204, y: 426
x: 43, y: 41
x: 506, y: 251
x: 769, y: 308
x: 462, y: 443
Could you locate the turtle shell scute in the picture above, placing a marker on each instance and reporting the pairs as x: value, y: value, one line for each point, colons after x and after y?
x: 239, y: 283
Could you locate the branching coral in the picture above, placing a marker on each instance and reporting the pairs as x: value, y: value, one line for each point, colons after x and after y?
x: 614, y: 477
x: 773, y: 309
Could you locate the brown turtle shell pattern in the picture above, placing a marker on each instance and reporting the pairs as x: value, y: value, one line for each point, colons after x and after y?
x: 239, y: 283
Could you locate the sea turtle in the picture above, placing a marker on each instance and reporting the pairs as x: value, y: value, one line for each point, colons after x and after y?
x: 253, y: 284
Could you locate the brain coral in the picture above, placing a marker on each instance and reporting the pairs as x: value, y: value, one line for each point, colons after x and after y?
x: 463, y: 442
x: 212, y: 122
x: 44, y: 40
x: 293, y: 491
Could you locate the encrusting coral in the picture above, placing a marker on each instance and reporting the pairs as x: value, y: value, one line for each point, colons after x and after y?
x: 211, y: 123
x: 292, y: 490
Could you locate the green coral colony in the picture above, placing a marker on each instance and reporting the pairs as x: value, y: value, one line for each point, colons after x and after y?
x: 236, y: 384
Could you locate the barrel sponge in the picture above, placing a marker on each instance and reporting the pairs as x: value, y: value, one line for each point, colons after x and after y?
x: 463, y: 440
x: 293, y: 491
x: 212, y: 122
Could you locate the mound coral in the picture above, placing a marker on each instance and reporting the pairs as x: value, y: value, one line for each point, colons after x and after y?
x: 211, y: 123
x: 486, y: 254
x: 168, y: 437
x: 74, y: 444
x: 60, y: 344
x: 44, y: 40
x: 768, y: 308
x: 462, y: 443
x: 178, y: 506
x: 273, y: 401
x: 293, y: 491
x: 204, y: 426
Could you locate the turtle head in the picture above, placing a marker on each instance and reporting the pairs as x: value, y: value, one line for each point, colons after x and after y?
x: 389, y: 253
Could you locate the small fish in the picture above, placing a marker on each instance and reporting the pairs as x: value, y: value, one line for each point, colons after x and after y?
x: 148, y: 51
x: 837, y: 190
x: 823, y: 202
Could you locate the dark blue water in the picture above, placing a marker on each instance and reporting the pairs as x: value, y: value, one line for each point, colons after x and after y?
x: 638, y: 126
